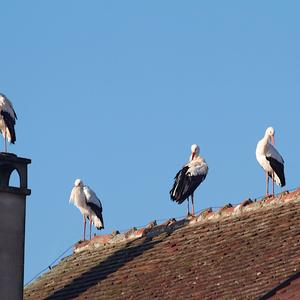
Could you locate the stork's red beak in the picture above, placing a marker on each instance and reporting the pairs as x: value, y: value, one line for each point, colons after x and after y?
x: 272, y: 139
x: 193, y: 155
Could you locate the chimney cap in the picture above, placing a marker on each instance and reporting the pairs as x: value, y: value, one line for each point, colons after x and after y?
x: 8, y: 163
x: 11, y: 157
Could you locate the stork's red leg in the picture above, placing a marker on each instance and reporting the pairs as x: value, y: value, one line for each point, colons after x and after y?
x: 267, y: 184
x: 273, y: 184
x: 188, y: 200
x: 84, y: 226
x: 193, y: 211
x: 90, y: 229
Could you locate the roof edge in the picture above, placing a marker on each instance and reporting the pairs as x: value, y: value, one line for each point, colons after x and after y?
x: 281, y: 285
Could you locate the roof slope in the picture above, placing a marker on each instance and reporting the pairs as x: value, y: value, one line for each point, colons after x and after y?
x: 235, y: 253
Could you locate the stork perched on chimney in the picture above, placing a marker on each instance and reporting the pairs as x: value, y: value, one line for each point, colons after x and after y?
x: 7, y: 121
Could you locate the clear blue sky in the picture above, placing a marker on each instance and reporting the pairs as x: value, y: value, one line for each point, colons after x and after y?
x: 115, y: 92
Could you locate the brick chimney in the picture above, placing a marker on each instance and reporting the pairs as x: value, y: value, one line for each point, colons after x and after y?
x: 12, y: 225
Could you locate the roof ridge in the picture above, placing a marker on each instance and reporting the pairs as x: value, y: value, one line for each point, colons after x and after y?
x: 207, y: 215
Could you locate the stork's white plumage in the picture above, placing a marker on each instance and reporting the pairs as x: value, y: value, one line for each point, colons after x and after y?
x: 189, y: 178
x: 270, y: 160
x: 7, y: 120
x: 85, y: 199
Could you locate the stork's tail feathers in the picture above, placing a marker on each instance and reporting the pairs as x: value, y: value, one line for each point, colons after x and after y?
x: 278, y: 168
x: 99, y: 224
x: 280, y: 180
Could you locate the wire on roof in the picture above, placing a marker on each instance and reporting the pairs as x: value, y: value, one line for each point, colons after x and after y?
x: 50, y: 265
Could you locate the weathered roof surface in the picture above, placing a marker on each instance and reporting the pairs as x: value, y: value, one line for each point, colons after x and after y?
x: 235, y: 253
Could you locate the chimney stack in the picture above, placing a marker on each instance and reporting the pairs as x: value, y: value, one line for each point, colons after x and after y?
x: 12, y: 225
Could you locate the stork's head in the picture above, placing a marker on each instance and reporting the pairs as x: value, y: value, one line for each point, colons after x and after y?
x: 78, y: 182
x: 270, y: 132
x: 195, y: 150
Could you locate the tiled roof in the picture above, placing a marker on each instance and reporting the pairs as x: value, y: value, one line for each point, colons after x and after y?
x: 237, y: 252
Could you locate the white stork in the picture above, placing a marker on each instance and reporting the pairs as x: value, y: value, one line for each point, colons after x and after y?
x: 189, y: 178
x: 85, y: 199
x: 7, y: 120
x: 270, y: 160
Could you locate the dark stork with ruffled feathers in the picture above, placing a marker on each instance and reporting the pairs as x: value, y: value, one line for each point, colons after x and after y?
x: 7, y: 121
x: 189, y: 178
x: 85, y: 199
x: 270, y: 160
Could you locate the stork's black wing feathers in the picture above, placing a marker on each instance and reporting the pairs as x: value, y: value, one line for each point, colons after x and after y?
x: 10, y: 123
x: 97, y: 210
x: 185, y: 185
x: 15, y: 113
x: 278, y: 169
x: 177, y: 189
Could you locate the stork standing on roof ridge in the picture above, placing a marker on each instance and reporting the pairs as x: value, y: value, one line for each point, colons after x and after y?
x: 270, y: 160
x: 189, y: 178
x: 85, y: 199
x: 7, y: 121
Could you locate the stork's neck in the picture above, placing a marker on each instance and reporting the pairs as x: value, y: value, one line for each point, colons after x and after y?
x: 262, y: 145
x: 266, y: 139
